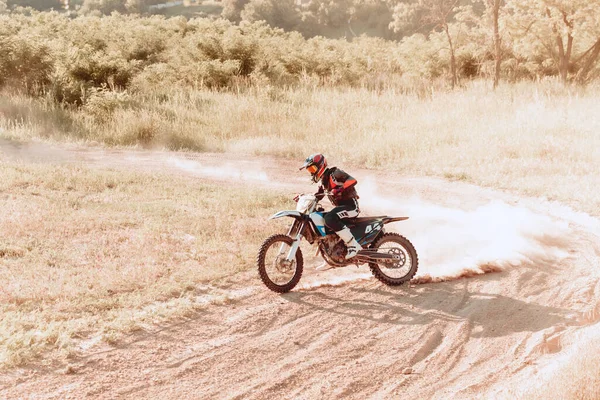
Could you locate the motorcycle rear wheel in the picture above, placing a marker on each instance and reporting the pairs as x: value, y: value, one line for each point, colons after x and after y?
x: 400, y: 272
x: 274, y: 271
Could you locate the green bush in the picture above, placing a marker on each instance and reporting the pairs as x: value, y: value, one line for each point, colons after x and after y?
x: 100, y: 104
x: 25, y: 64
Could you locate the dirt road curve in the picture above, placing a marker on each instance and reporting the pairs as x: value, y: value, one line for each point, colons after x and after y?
x: 343, y: 334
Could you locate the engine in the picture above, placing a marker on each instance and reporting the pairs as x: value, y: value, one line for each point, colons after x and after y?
x: 334, y: 248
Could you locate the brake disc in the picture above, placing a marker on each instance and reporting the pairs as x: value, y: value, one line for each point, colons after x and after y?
x: 282, y: 265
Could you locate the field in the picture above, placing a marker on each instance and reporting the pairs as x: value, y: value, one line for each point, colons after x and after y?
x: 535, y: 139
x: 93, y: 253
x: 96, y: 252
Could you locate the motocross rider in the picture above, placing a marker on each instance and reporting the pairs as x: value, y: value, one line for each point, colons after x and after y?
x: 339, y: 187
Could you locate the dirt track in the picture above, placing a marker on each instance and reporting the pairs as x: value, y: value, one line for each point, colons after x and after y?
x: 342, y: 334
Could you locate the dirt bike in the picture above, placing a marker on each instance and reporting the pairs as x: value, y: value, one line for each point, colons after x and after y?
x: 391, y: 257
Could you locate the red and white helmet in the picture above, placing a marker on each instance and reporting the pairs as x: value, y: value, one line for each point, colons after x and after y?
x: 316, y: 165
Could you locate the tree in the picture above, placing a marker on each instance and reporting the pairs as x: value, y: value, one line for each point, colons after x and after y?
x: 277, y: 13
x: 330, y: 13
x: 105, y: 6
x: 434, y: 14
x: 135, y: 6
x: 232, y: 9
x: 40, y: 5
x: 568, y: 31
x: 493, y: 8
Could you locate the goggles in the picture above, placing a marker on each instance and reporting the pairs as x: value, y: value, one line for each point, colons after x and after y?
x: 312, y: 169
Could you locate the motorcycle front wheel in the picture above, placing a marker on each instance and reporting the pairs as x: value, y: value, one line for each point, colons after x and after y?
x: 274, y: 270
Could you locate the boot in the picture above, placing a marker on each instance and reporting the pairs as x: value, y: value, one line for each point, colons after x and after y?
x: 353, y: 246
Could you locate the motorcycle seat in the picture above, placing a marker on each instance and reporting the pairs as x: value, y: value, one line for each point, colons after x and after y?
x: 359, y: 220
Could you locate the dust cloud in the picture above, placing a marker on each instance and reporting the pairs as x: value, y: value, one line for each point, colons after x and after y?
x: 226, y: 171
x: 31, y: 152
x: 454, y: 243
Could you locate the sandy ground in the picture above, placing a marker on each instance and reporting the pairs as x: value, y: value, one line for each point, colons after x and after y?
x: 342, y: 334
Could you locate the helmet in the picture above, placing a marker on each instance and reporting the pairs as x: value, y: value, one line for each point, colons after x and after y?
x: 316, y: 165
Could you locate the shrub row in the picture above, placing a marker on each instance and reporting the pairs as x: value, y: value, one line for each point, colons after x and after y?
x: 66, y: 58
x: 48, y: 53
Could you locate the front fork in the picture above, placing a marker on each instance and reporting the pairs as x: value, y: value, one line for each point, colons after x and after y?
x: 295, y: 232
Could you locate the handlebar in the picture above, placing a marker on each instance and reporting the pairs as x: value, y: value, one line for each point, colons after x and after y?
x: 319, y: 196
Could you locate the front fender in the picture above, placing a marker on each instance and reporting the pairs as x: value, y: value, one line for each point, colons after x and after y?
x: 292, y: 214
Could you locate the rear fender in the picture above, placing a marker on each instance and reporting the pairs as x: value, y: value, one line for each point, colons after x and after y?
x: 387, y: 220
x: 384, y: 221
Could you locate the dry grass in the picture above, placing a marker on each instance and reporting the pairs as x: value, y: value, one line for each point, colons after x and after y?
x: 541, y: 140
x: 88, y: 252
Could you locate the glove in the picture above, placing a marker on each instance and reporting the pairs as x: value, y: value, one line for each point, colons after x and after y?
x: 320, y: 193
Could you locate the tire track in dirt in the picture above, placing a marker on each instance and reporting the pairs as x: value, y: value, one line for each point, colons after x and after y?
x: 342, y: 334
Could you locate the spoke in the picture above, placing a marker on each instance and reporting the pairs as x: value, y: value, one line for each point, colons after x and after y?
x: 278, y: 269
x: 398, y: 268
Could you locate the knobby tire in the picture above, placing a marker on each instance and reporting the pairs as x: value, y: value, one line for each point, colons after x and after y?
x: 406, y: 245
x: 260, y: 261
